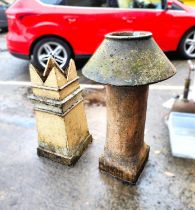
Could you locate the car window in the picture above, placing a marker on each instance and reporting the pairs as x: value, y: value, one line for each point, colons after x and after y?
x: 84, y: 3
x: 140, y: 4
x: 87, y: 3
x: 176, y: 7
x: 149, y: 4
x: 54, y: 2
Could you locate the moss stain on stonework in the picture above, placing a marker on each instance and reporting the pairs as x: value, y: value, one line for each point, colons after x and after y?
x: 129, y: 63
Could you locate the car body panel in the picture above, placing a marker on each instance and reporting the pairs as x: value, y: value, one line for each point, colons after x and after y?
x: 85, y: 27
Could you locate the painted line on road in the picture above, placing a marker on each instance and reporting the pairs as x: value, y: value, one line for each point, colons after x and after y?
x: 166, y: 87
x: 15, y: 83
x: 26, y: 122
x: 91, y: 86
x: 28, y: 84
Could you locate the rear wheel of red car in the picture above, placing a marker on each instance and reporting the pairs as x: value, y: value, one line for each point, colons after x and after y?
x: 54, y: 47
x: 187, y: 45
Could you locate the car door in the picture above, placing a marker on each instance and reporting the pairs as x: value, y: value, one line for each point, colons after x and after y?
x: 87, y: 22
x: 145, y: 16
x: 168, y: 25
x: 176, y: 21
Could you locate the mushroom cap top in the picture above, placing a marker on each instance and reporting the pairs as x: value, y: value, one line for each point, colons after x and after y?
x: 128, y: 59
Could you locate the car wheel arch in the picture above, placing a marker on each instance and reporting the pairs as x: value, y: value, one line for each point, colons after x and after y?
x: 50, y: 36
x: 184, y: 34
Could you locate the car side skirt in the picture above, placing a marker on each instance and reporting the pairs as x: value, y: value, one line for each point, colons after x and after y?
x: 25, y: 57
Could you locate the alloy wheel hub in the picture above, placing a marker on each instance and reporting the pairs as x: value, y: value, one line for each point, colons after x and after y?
x: 55, y: 50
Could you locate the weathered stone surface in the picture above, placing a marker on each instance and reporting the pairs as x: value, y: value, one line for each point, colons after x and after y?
x: 61, y: 122
x: 125, y: 152
x: 128, y: 59
x: 127, y: 62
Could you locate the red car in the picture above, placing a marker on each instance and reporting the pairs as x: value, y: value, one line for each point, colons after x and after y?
x: 75, y: 28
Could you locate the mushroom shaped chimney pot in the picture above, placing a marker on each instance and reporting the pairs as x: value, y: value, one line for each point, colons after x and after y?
x: 129, y: 59
x: 127, y: 62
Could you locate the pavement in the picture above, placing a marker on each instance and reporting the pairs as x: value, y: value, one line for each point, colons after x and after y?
x: 30, y: 182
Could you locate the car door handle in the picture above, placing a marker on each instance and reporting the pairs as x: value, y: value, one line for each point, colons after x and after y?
x: 129, y: 19
x: 70, y: 19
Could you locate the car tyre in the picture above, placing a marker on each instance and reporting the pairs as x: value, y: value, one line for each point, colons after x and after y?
x: 3, y: 30
x: 51, y: 46
x: 187, y: 45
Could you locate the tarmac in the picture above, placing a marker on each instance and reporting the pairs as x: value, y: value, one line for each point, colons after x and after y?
x: 29, y: 182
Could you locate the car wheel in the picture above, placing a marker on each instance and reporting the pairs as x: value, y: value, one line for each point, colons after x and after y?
x: 187, y: 45
x: 47, y: 47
